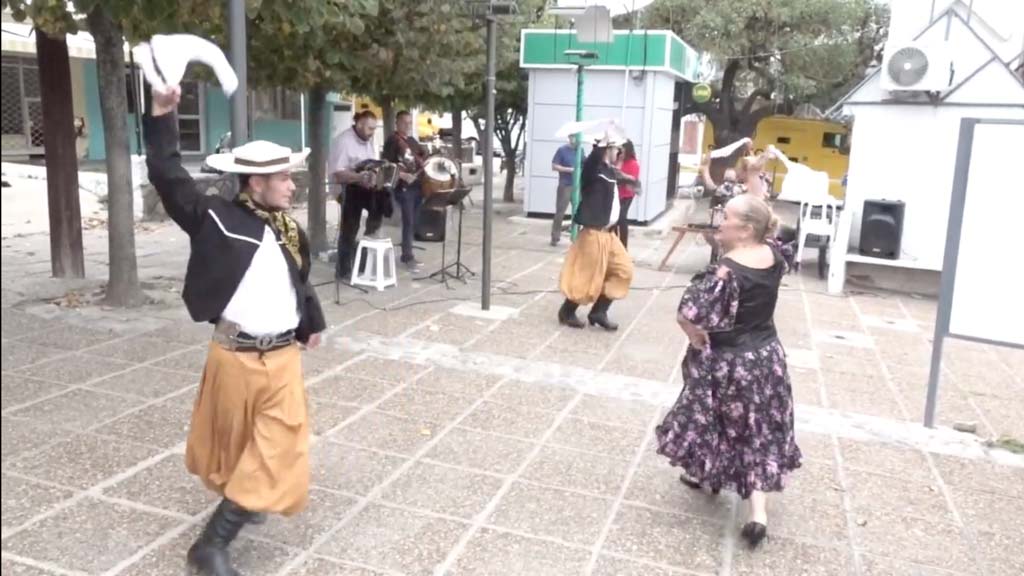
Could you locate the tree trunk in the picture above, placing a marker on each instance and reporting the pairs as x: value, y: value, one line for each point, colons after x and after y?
x: 66, y: 257
x: 457, y: 132
x: 316, y: 223
x: 387, y: 107
x: 123, y: 288
x: 510, y: 178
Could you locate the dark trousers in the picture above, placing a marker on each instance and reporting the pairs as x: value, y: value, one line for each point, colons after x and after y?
x: 409, y: 199
x: 623, y: 228
x: 355, y: 201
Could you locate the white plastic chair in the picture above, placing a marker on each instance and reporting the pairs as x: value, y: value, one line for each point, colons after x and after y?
x: 380, y: 271
x: 818, y: 216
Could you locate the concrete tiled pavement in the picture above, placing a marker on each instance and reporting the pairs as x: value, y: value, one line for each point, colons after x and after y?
x: 451, y: 444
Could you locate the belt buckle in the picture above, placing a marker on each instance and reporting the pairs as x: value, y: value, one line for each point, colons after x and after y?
x: 265, y: 342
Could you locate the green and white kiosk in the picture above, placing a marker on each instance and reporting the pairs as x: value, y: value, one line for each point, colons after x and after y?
x: 640, y: 78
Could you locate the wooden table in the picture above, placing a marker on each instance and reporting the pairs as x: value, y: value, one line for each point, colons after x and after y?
x: 705, y: 230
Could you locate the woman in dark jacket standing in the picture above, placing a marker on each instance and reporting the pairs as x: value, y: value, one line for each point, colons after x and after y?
x: 597, y: 268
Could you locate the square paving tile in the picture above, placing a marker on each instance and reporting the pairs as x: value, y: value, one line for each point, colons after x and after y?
x: 536, y: 395
x: 78, y: 409
x: 443, y: 490
x: 783, y: 557
x: 22, y: 436
x: 509, y: 420
x: 659, y: 486
x: 192, y: 333
x: 18, y: 355
x: 81, y: 461
x: 815, y: 479
x: 189, y: 361
x: 480, y: 451
x: 91, y: 535
x: 18, y: 390
x: 491, y: 552
x: 1001, y: 553
x: 385, y: 369
x: 881, y: 403
x: 166, y: 485
x: 581, y: 471
x: 75, y: 369
x: 878, y: 566
x: 72, y: 337
x: 164, y: 424
x: 324, y: 511
x: 346, y: 389
x: 146, y: 382
x: 915, y: 540
x: 24, y: 499
x: 675, y: 540
x: 981, y: 475
x: 326, y: 416
x: 388, y: 432
x: 870, y: 491
x: 250, y: 557
x: 327, y: 567
x: 350, y: 469
x: 424, y: 404
x: 892, y: 459
x: 137, y: 349
x: 567, y: 516
x: 990, y: 512
x: 12, y: 568
x: 815, y: 446
x: 599, y: 438
x: 16, y: 323
x: 821, y: 520
x: 464, y: 382
x: 633, y: 413
x: 394, y: 539
x: 612, y: 566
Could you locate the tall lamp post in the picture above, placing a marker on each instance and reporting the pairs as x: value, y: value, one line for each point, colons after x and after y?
x: 239, y: 61
x: 577, y: 171
x: 490, y: 10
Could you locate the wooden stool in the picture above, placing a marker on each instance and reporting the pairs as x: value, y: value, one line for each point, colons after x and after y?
x: 704, y: 230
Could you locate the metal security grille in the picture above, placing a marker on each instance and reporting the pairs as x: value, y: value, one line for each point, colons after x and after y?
x: 22, y: 109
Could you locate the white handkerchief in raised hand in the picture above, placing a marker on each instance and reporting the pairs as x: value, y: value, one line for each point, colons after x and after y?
x: 166, y: 56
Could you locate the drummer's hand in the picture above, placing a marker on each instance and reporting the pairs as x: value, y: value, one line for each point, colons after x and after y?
x: 165, y: 101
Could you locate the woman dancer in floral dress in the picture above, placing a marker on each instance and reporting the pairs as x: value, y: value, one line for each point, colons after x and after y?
x: 732, y: 426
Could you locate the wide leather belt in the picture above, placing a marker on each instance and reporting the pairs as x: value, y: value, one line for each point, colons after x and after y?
x: 230, y: 336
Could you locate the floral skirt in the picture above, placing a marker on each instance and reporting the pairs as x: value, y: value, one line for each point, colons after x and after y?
x: 732, y: 426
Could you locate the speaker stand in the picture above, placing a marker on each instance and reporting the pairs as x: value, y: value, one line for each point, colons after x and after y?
x: 461, y: 271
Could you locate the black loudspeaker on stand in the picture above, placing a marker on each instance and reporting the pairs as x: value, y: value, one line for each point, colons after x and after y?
x: 430, y: 222
x: 461, y: 271
x: 881, y: 228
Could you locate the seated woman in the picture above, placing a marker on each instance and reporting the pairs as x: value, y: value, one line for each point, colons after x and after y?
x: 732, y: 425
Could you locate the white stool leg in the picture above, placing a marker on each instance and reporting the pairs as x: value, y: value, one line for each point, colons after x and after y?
x: 356, y: 264
x: 394, y: 271
x: 379, y: 272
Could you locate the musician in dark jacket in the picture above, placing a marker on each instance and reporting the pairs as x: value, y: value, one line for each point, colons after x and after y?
x: 402, y: 149
x: 248, y: 274
x: 597, y: 268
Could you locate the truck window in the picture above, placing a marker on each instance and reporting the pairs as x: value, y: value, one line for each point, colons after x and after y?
x: 834, y: 141
x: 783, y: 140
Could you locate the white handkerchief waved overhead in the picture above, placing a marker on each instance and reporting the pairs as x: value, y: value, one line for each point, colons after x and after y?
x: 166, y: 56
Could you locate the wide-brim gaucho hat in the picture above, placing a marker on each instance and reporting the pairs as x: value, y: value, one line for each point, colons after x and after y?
x: 258, y: 157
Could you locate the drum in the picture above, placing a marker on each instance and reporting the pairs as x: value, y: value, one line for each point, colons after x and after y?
x: 440, y: 176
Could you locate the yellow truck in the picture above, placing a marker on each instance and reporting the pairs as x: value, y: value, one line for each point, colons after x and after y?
x: 820, y: 144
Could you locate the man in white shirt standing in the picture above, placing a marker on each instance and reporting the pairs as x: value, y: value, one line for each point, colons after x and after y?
x: 349, y: 149
x: 248, y: 274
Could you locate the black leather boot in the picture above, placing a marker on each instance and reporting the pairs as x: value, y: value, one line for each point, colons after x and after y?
x: 599, y: 314
x: 209, y: 555
x: 567, y: 314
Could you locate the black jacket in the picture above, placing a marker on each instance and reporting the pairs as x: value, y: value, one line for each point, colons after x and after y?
x: 597, y: 191
x: 224, y: 235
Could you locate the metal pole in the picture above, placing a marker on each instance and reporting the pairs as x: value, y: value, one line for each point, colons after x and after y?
x: 485, y: 275
x: 239, y: 61
x: 577, y: 172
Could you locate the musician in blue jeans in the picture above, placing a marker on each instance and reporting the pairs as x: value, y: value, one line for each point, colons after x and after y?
x: 402, y: 149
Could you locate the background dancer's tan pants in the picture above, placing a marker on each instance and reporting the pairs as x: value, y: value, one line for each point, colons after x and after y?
x: 596, y: 264
x: 249, y: 439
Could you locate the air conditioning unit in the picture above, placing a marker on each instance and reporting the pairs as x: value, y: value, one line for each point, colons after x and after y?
x: 917, y: 67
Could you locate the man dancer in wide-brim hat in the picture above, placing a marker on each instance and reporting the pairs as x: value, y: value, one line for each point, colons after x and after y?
x: 597, y: 268
x: 248, y: 274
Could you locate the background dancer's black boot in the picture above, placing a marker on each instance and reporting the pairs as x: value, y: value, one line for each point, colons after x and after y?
x: 599, y: 314
x: 567, y: 314
x: 209, y: 555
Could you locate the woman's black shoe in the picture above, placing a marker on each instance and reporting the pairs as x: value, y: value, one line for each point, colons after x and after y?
x: 754, y: 533
x: 695, y: 485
